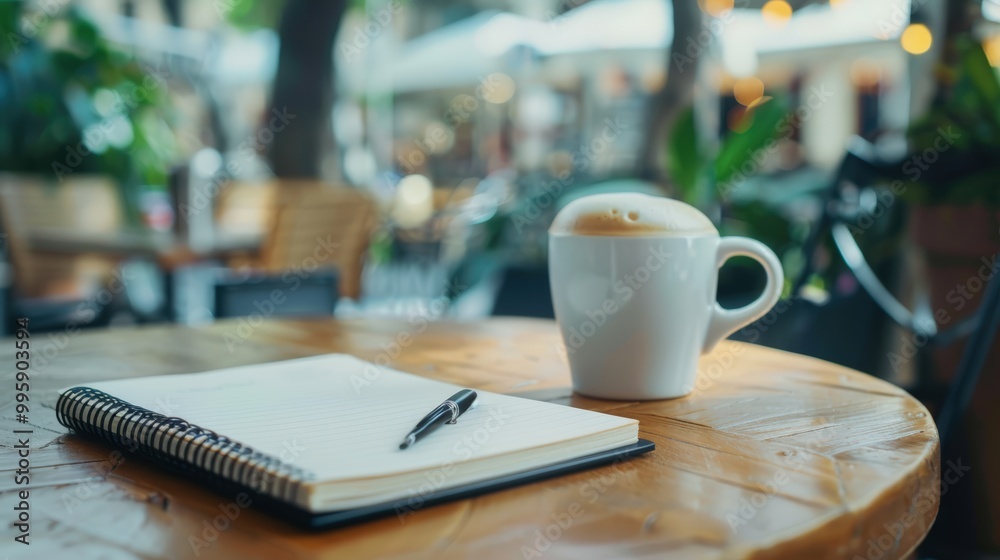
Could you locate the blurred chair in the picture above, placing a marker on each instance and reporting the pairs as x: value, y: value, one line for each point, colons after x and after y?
x: 53, y: 289
x: 89, y: 203
x: 862, y: 166
x: 319, y: 225
x: 524, y: 292
x: 79, y: 204
x: 246, y: 207
x: 306, y: 225
x: 272, y: 295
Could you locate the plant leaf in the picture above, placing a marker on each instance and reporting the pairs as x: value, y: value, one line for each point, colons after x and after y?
x: 769, y: 122
x: 684, y: 162
x: 983, y: 78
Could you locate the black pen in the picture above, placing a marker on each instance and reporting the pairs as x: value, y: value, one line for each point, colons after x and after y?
x: 445, y: 413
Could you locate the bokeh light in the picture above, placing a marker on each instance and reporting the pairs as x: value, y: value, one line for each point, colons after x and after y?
x: 414, y: 201
x: 748, y: 90
x: 777, y: 13
x: 992, y: 48
x: 715, y: 8
x: 498, y: 88
x: 865, y: 73
x: 916, y: 38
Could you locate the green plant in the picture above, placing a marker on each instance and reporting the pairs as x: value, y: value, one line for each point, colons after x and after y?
x: 717, y: 181
x: 72, y: 103
x: 249, y: 15
x: 697, y: 174
x: 954, y: 145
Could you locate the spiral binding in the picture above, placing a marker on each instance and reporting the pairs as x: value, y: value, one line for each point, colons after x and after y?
x: 176, y: 443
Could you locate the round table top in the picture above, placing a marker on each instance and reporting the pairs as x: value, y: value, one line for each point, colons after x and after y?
x: 774, y: 455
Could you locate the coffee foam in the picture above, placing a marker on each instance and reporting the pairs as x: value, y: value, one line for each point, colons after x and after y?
x: 630, y: 214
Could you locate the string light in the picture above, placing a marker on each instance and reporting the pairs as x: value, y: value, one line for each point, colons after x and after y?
x: 498, y: 88
x: 992, y: 48
x: 777, y: 13
x: 715, y: 8
x: 916, y: 38
x: 748, y: 90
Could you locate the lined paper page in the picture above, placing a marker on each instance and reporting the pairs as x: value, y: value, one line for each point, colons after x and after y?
x: 342, y: 418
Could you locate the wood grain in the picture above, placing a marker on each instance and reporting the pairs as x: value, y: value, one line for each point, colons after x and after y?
x: 773, y: 456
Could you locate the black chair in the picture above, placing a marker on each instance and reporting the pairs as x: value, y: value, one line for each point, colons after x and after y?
x: 524, y: 292
x: 48, y: 314
x: 290, y: 294
x: 861, y: 166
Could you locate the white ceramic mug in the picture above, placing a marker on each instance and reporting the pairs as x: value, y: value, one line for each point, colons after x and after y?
x: 637, y: 310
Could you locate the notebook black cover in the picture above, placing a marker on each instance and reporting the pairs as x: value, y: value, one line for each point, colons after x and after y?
x: 405, y: 507
x: 140, y: 431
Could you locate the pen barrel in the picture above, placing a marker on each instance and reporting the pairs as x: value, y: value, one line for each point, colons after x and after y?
x: 434, y: 418
x: 445, y: 412
x: 464, y: 399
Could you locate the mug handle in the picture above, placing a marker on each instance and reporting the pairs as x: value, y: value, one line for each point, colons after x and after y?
x: 727, y: 321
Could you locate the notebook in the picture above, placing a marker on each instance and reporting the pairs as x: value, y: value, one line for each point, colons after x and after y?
x: 316, y: 440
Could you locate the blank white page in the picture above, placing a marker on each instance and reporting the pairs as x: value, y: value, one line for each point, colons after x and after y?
x: 342, y: 418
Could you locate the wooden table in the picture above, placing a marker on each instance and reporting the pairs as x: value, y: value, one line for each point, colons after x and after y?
x: 163, y: 246
x: 774, y: 456
x: 168, y: 250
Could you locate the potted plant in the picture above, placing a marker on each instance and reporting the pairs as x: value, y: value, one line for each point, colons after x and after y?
x: 74, y: 105
x: 716, y: 181
x: 953, y: 186
x: 952, y: 170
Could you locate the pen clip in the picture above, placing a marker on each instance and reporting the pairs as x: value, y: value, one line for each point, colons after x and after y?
x: 453, y: 407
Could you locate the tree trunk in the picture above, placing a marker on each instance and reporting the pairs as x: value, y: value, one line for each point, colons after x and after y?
x: 681, y: 69
x: 303, y: 86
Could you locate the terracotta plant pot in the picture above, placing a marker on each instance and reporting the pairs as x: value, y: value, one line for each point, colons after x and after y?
x: 960, y: 243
